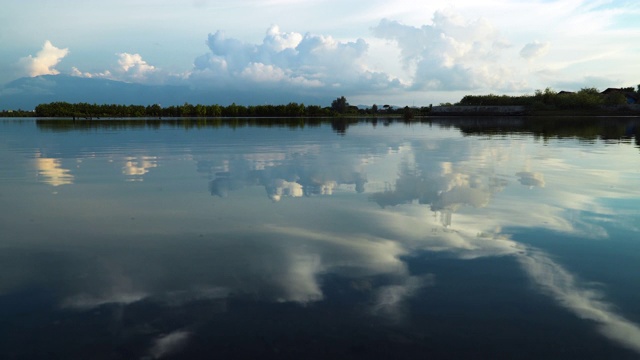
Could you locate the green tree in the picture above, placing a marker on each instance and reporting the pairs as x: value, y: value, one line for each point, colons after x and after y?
x: 154, y: 110
x: 295, y: 109
x: 187, y: 109
x: 589, y: 91
x: 589, y: 97
x: 340, y: 105
x: 200, y: 110
x: 231, y: 110
x: 616, y: 98
x: 214, y: 110
x: 407, y: 113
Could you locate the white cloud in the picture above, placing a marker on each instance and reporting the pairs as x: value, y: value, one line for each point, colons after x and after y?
x: 279, y: 41
x: 133, y: 66
x: 129, y: 68
x: 260, y: 72
x: 535, y: 50
x: 452, y: 53
x: 76, y: 72
x: 288, y: 58
x: 44, y: 61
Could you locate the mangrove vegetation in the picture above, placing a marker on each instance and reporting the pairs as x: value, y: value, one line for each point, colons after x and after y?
x: 586, y: 101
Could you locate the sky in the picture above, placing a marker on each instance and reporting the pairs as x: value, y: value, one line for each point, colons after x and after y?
x: 401, y: 52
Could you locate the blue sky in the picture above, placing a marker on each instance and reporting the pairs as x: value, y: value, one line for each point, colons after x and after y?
x: 404, y: 52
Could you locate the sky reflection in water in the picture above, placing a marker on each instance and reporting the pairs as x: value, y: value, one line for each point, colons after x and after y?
x: 169, y: 220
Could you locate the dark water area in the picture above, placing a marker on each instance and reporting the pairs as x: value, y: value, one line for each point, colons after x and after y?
x: 476, y: 238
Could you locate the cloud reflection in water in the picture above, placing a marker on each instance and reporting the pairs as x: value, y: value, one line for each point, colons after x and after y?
x: 455, y: 198
x: 52, y: 172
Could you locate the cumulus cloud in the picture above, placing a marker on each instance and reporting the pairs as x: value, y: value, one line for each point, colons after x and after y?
x: 535, y: 50
x: 76, y: 72
x: 133, y: 65
x: 288, y: 58
x: 129, y: 68
x: 279, y: 41
x: 44, y: 61
x: 452, y: 53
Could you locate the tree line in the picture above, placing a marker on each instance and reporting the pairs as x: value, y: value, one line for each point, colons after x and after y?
x: 16, y: 113
x: 585, y: 98
x: 339, y: 107
x: 548, y: 99
x: 90, y: 111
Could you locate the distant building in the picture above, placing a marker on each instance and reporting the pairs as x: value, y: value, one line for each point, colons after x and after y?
x: 631, y: 96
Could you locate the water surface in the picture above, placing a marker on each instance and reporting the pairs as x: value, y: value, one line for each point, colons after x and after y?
x: 482, y: 238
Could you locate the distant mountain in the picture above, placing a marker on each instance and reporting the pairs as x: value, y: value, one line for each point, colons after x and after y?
x: 26, y: 93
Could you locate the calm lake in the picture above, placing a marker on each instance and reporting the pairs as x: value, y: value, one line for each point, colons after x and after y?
x: 199, y: 239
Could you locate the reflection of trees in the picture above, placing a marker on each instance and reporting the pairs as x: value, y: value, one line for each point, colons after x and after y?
x: 338, y: 125
x: 185, y: 123
x: 584, y: 128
